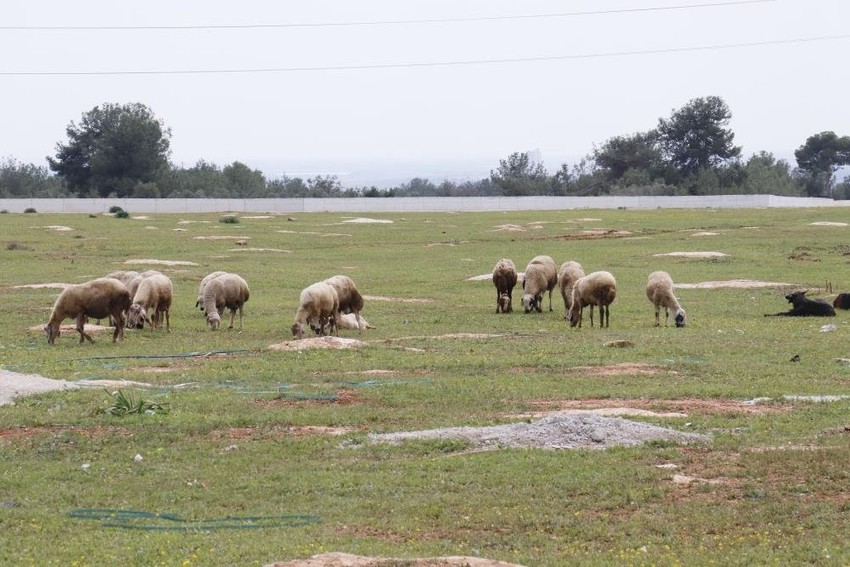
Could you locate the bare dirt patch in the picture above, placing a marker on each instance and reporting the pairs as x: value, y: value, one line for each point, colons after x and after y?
x: 72, y: 329
x: 221, y: 237
x: 509, y: 228
x: 337, y: 559
x: 828, y: 223
x: 365, y: 220
x: 55, y: 228
x: 683, y: 406
x: 319, y: 234
x: 628, y: 368
x: 704, y: 233
x: 398, y: 299
x: 732, y: 284
x: 160, y: 262
x: 694, y: 254
x: 54, y: 285
x: 280, y: 432
x: 260, y: 250
x: 317, y: 342
x: 593, y: 234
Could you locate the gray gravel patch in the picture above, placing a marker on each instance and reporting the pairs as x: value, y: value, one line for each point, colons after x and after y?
x: 560, y: 430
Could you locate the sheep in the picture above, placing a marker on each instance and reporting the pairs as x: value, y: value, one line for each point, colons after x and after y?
x: 97, y: 298
x: 596, y: 288
x: 123, y: 276
x: 350, y: 300
x: 151, y: 301
x: 541, y: 276
x: 318, y: 301
x: 225, y: 291
x: 568, y: 275
x: 349, y: 321
x: 805, y: 307
x: 659, y: 291
x: 200, y: 302
x: 504, y: 278
x: 842, y: 301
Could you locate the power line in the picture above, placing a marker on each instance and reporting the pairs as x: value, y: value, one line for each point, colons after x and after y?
x: 434, y: 63
x: 386, y: 22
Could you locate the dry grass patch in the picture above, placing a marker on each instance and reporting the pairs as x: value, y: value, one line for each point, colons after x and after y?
x: 693, y: 254
x: 338, y: 559
x: 317, y: 342
x: 628, y: 368
x: 737, y: 284
x: 160, y: 262
x: 397, y: 299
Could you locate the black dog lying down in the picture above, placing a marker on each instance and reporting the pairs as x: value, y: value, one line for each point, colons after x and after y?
x: 805, y: 307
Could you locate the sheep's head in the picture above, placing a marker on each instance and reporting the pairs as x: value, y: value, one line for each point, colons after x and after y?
x: 52, y: 331
x: 136, y: 317
x: 529, y: 303
x: 505, y: 303
x: 214, y: 320
x: 680, y: 318
x: 297, y: 330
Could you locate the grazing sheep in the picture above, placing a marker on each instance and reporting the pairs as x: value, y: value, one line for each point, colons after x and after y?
x: 504, y: 278
x: 596, y: 288
x: 541, y: 276
x: 659, y: 290
x: 805, y: 307
x: 200, y: 302
x: 321, y: 303
x: 99, y: 298
x: 568, y: 275
x: 350, y: 300
x: 151, y: 301
x: 842, y: 301
x: 226, y: 291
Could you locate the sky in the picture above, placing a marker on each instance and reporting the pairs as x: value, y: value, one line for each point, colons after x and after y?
x: 378, y: 92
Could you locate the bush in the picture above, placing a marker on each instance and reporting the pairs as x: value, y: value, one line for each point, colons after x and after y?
x: 230, y: 219
x: 30, y: 210
x: 122, y: 214
x: 115, y: 209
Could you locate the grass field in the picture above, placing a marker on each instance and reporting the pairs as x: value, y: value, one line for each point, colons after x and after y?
x: 281, y: 436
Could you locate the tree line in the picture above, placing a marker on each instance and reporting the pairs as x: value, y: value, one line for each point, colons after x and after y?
x: 123, y: 151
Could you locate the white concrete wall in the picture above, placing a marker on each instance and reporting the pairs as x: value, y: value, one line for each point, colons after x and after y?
x: 410, y: 204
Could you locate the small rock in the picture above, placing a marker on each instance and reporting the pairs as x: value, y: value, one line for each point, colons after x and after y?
x: 86, y: 466
x: 138, y: 458
x: 828, y: 328
x: 597, y: 436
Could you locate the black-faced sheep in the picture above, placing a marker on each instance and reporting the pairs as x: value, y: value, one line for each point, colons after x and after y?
x: 504, y: 278
x: 99, y: 298
x: 659, y: 291
x: 320, y: 303
x: 225, y: 291
x: 541, y: 276
x: 151, y: 301
x: 350, y: 300
x: 805, y: 307
x: 842, y: 301
x: 596, y: 288
x: 201, y: 286
x: 568, y: 275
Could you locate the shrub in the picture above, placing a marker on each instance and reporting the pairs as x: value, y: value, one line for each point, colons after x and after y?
x: 30, y: 210
x: 229, y: 219
x: 122, y: 214
x: 114, y: 209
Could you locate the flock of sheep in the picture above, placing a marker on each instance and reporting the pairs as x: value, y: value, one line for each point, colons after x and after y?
x: 133, y: 299
x: 578, y: 290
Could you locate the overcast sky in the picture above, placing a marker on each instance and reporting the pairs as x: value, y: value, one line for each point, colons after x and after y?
x: 436, y: 88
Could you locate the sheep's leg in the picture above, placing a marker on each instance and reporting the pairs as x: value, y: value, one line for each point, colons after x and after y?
x: 591, y: 315
x: 360, y: 323
x: 233, y: 317
x: 657, y: 314
x: 81, y: 328
x: 604, y: 315
x: 550, y: 299
x: 167, y: 322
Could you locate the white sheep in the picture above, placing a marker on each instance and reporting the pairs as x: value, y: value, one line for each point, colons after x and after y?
x: 350, y: 300
x: 568, y: 275
x: 200, y: 302
x: 151, y: 301
x: 99, y: 298
x: 504, y: 279
x: 659, y: 290
x: 225, y: 291
x: 320, y: 302
x: 350, y: 322
x: 541, y: 276
x: 596, y: 288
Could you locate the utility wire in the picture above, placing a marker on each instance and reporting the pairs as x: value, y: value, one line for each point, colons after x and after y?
x: 470, y: 62
x: 386, y: 22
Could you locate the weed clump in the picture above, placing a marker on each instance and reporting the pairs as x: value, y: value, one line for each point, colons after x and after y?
x: 126, y: 404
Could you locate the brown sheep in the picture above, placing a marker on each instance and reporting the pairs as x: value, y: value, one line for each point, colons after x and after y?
x: 504, y: 279
x: 151, y: 302
x: 320, y: 303
x: 99, y: 298
x: 596, y: 288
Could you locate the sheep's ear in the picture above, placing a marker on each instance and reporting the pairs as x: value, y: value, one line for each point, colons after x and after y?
x: 804, y: 292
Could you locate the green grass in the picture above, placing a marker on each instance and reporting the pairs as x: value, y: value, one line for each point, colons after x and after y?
x: 261, y: 433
